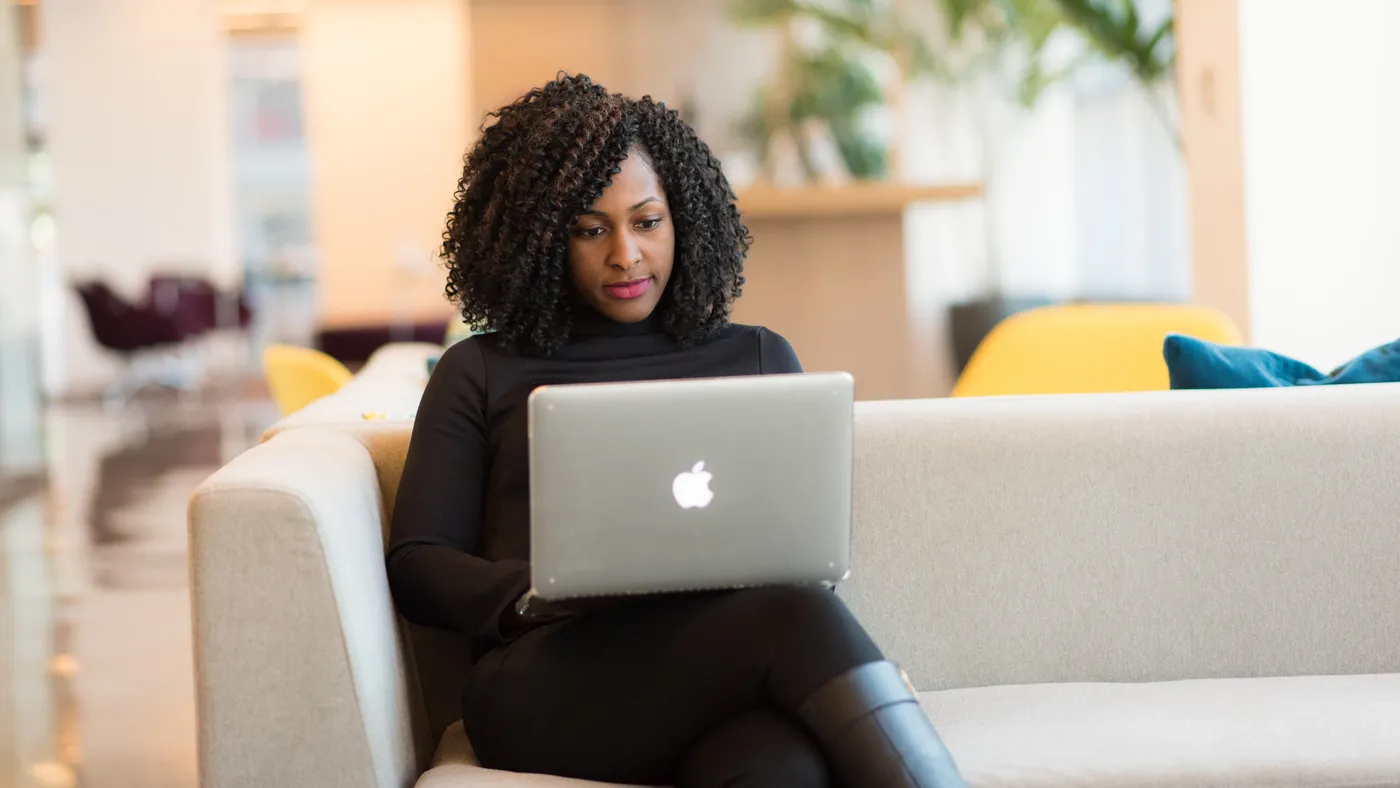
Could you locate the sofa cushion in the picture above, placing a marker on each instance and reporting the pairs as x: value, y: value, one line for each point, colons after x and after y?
x: 454, y: 766
x: 1303, y: 731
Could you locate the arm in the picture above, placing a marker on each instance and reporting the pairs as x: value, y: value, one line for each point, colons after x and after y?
x: 776, y: 356
x: 436, y: 579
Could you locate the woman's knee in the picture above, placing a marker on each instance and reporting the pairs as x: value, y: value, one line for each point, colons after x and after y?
x: 809, y: 604
x: 757, y: 750
x: 814, y: 617
x: 813, y: 639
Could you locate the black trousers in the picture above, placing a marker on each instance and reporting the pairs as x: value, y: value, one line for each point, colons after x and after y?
x: 696, y: 691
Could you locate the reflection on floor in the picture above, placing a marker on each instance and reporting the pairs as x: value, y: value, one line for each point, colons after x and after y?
x: 96, y: 686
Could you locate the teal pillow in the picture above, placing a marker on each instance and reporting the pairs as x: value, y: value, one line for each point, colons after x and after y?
x: 1197, y: 364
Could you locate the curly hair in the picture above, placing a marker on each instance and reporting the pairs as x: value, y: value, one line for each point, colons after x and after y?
x: 542, y: 163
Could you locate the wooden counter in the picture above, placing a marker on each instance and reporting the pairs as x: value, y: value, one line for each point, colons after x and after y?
x: 860, y: 199
x: 828, y: 270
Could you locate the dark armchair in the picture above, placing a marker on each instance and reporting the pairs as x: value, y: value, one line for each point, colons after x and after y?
x: 123, y: 327
x: 148, y: 342
x: 196, y: 305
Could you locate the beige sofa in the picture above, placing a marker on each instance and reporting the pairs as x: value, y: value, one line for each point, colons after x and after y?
x: 1167, y: 589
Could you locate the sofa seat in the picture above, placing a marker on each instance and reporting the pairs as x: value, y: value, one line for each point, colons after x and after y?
x: 1304, y: 731
x: 455, y: 766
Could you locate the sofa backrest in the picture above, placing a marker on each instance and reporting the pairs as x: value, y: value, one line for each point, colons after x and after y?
x: 1131, y: 537
x: 1126, y: 537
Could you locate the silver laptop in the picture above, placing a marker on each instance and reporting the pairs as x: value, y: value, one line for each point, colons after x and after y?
x: 690, y: 485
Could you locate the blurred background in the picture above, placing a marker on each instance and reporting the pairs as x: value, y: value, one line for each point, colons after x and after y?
x: 194, y: 192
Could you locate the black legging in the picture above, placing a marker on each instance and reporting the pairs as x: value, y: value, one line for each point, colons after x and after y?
x: 699, y: 691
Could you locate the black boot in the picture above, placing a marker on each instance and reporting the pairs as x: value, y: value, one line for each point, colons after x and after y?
x: 875, y: 733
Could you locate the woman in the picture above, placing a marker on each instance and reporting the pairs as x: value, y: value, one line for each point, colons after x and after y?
x: 596, y: 239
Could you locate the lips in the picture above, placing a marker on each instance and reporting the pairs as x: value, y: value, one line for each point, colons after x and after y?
x: 626, y: 291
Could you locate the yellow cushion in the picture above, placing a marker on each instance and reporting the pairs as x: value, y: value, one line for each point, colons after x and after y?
x: 1086, y: 348
x: 298, y: 376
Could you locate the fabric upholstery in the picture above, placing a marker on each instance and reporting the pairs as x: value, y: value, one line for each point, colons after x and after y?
x: 1130, y: 537
x: 1303, y: 731
x: 455, y: 766
x: 376, y: 407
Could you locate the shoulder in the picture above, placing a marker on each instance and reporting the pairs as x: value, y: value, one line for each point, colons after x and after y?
x: 775, y: 353
x: 461, y: 373
x: 453, y: 404
x: 466, y: 357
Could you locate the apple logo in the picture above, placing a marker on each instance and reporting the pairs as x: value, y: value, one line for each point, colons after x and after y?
x: 692, y: 488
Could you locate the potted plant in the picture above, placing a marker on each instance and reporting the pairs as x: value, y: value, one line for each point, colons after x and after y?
x: 829, y: 84
x: 1003, y: 44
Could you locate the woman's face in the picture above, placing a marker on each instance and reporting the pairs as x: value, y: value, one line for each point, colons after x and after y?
x: 621, y: 249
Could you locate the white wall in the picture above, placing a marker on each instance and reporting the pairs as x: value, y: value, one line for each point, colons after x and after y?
x: 137, y: 128
x: 1321, y: 121
x: 1133, y: 239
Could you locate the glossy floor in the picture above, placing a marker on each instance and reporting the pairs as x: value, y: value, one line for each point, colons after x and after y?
x: 96, y: 687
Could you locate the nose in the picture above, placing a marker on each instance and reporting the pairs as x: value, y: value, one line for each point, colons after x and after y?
x: 625, y: 252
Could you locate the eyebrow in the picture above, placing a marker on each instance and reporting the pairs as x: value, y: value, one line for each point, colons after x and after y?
x: 629, y: 210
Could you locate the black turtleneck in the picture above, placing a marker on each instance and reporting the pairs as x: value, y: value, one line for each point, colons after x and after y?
x: 459, y: 542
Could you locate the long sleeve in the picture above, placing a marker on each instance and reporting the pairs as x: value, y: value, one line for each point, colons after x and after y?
x: 435, y: 578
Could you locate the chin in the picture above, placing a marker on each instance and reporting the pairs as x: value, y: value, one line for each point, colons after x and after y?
x: 629, y: 312
x: 630, y: 315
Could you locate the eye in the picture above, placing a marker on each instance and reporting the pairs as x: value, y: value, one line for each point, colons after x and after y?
x: 588, y: 232
x: 649, y: 224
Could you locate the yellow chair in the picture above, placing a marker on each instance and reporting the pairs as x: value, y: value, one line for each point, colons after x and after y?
x: 299, y: 376
x: 1086, y: 348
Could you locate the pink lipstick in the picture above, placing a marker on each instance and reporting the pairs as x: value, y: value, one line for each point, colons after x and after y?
x: 626, y: 291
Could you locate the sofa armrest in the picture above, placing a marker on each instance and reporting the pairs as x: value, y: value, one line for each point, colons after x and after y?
x: 301, y: 674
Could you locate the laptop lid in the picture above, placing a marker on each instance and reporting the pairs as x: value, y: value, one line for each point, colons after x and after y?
x: 692, y: 484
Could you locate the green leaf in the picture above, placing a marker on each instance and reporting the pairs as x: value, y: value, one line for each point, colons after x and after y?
x: 1119, y: 36
x: 921, y: 58
x: 830, y: 85
x: 763, y: 12
x: 961, y: 13
x: 1131, y: 23
x: 834, y: 84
